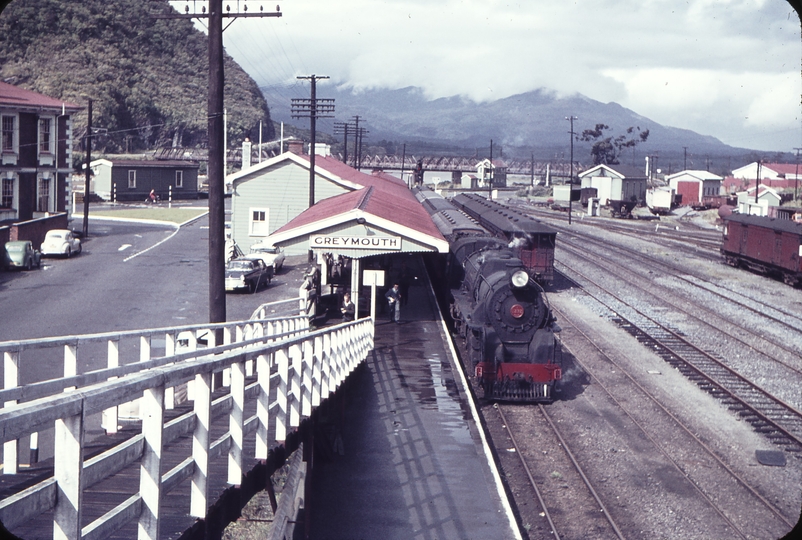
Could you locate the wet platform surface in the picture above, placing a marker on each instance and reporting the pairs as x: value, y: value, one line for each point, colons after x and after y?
x: 411, y: 465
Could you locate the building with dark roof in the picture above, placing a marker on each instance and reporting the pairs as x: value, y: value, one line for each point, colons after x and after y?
x: 615, y: 182
x: 133, y: 179
x: 35, y: 154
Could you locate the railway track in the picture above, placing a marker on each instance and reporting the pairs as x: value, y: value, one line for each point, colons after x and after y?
x: 776, y: 420
x: 760, y: 343
x: 578, y: 489
x: 691, y: 241
x: 774, y: 314
x: 712, y: 247
x: 628, y: 405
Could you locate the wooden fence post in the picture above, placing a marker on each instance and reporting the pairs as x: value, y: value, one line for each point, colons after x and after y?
x: 109, y: 416
x: 296, y: 362
x: 68, y: 472
x: 202, y: 394
x: 10, y: 380
x: 282, y: 397
x: 307, y: 360
x: 263, y: 364
x: 150, y: 469
x: 235, y: 423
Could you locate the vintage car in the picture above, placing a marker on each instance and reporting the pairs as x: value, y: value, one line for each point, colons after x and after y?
x: 20, y: 254
x: 61, y: 242
x: 271, y: 255
x: 247, y: 273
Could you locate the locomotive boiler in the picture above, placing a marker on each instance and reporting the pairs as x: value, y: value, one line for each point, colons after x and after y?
x: 497, y: 307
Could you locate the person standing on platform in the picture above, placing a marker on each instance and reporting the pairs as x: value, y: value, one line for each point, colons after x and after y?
x: 348, y: 308
x: 394, y: 301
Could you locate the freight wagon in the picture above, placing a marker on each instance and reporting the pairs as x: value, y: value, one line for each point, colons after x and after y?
x: 765, y: 245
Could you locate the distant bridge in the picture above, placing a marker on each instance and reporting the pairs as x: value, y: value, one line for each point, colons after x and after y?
x: 452, y: 164
x: 467, y: 164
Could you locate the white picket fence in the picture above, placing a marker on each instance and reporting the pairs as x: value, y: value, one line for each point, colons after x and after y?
x: 303, y: 367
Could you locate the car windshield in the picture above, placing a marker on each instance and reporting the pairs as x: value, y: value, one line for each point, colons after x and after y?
x: 55, y: 236
x: 15, y: 248
x: 272, y: 250
x: 240, y: 265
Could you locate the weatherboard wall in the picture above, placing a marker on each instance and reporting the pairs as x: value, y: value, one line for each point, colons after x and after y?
x: 282, y: 191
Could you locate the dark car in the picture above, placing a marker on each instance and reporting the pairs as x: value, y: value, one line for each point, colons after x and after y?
x: 20, y: 254
x: 247, y: 273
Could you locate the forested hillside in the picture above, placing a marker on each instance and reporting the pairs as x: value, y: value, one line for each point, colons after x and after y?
x: 148, y: 77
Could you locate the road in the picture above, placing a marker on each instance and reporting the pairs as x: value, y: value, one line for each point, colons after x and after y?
x: 129, y: 276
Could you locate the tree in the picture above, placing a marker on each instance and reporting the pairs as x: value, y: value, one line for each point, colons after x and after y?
x: 608, y: 149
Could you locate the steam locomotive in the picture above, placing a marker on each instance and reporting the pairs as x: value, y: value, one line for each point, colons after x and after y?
x: 497, y: 307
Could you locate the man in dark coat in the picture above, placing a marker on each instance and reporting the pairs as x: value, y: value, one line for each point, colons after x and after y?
x: 394, y: 300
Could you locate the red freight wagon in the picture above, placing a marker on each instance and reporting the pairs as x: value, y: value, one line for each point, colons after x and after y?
x: 765, y: 245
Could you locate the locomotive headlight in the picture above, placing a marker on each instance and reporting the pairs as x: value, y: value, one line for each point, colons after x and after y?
x: 519, y: 279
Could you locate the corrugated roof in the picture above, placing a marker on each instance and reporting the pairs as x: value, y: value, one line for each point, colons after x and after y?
x: 404, y: 210
x: 627, y: 171
x: 698, y: 174
x: 785, y: 225
x: 148, y: 163
x: 14, y: 96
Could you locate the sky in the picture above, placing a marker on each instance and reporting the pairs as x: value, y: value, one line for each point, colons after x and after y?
x: 726, y: 68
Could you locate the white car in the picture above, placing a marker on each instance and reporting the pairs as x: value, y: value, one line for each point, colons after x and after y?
x: 60, y: 242
x: 270, y: 255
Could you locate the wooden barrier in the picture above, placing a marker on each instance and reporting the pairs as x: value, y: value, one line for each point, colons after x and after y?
x: 304, y: 366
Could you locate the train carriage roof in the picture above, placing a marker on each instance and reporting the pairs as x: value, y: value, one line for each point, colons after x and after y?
x: 503, y: 219
x: 780, y: 225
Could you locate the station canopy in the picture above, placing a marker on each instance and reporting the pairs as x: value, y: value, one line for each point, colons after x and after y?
x: 383, y: 218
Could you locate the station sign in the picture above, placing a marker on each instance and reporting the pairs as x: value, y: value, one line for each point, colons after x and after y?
x: 336, y: 241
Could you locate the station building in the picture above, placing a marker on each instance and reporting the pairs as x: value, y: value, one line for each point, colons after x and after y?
x: 693, y: 185
x: 615, y: 182
x: 359, y: 221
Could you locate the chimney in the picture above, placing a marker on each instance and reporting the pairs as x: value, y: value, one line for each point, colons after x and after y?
x: 296, y: 147
x: 246, y: 153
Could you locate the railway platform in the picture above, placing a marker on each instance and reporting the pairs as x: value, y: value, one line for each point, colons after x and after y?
x: 410, y: 462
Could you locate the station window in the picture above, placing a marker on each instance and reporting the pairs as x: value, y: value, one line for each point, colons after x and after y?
x: 7, y: 198
x: 179, y: 179
x: 43, y: 200
x: 8, y: 133
x: 131, y: 179
x: 258, y: 224
x: 45, y: 133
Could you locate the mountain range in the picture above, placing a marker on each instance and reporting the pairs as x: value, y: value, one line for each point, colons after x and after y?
x: 520, y: 125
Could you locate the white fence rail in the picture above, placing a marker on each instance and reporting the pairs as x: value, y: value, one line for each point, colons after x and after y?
x: 300, y: 366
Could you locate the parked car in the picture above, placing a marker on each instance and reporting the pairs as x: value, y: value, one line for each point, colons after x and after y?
x: 247, y: 273
x: 271, y: 255
x: 20, y: 254
x: 61, y: 242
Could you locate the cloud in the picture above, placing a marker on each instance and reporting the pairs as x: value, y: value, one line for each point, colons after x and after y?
x: 697, y: 64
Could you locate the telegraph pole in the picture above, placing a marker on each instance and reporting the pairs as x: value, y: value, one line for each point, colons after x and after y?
x: 796, y: 178
x: 216, y: 171
x: 757, y: 181
x: 685, y: 158
x: 490, y: 176
x: 344, y: 128
x: 571, y: 179
x: 403, y: 161
x: 312, y: 108
x: 88, y: 169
